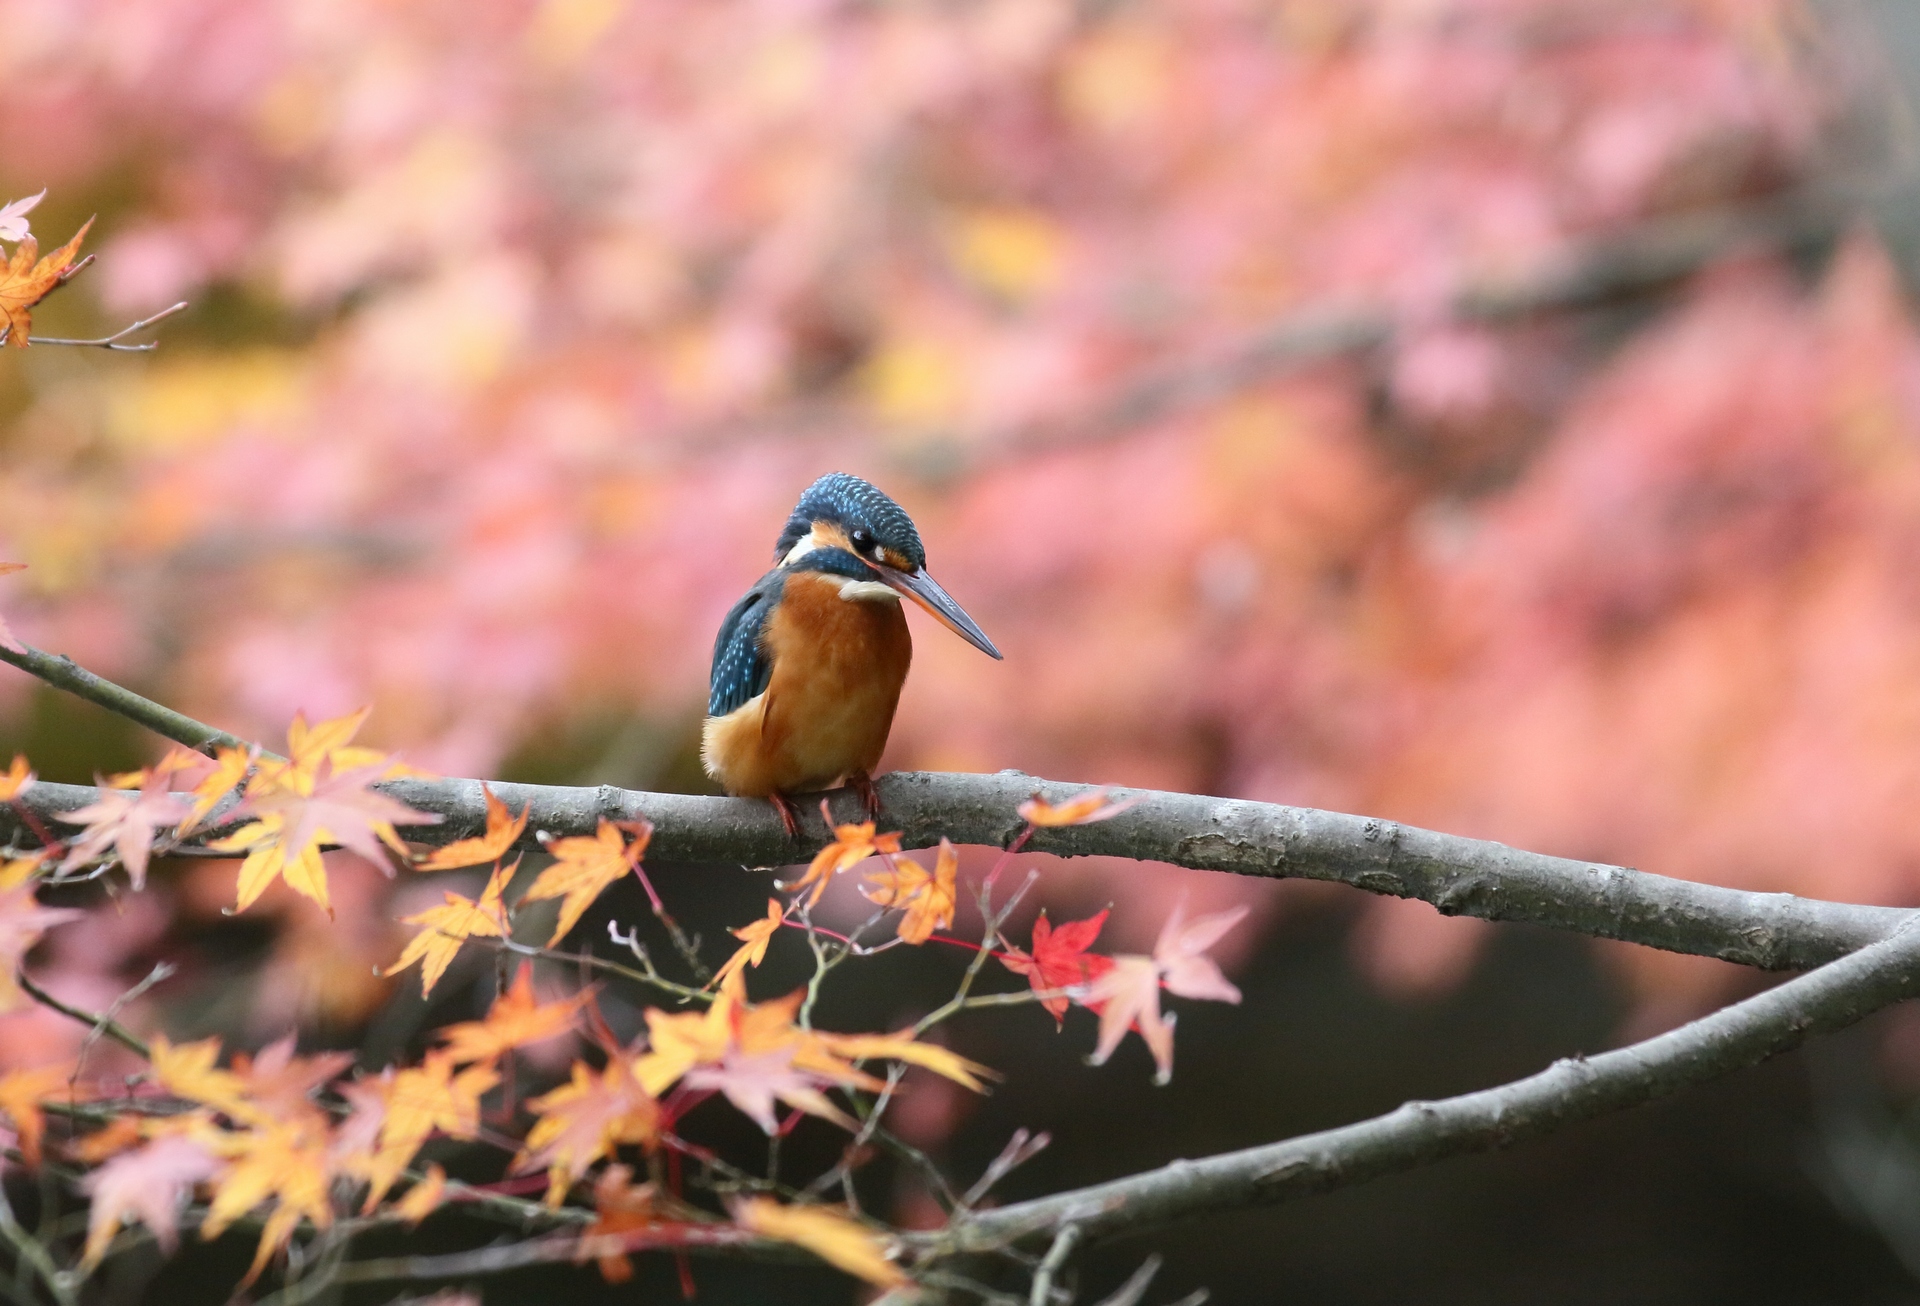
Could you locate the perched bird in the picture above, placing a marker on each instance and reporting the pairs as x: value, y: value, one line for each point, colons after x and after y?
x: 808, y: 666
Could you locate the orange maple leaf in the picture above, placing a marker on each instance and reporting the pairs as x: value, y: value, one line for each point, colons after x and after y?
x: 621, y: 1207
x: 446, y: 927
x: 151, y: 1184
x: 836, y: 1239
x: 754, y: 940
x: 126, y: 822
x: 928, y: 899
x: 582, y: 869
x: 17, y: 780
x: 515, y: 1020
x: 1081, y: 809
x: 22, y: 1092
x: 22, y: 921
x: 586, y: 1119
x: 852, y: 844
x: 27, y: 279
x: 503, y: 828
x: 229, y: 769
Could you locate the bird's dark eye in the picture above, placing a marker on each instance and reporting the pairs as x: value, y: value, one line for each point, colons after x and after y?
x: 862, y: 540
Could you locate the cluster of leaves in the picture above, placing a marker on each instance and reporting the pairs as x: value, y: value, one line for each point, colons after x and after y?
x: 312, y: 1154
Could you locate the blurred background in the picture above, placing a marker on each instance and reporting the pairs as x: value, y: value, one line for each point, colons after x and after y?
x: 1496, y: 415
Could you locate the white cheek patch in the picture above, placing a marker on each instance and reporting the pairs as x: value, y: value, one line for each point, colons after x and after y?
x: 868, y: 591
x: 806, y: 544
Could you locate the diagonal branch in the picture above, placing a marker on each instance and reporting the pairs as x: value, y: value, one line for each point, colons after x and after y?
x: 1421, y: 1133
x: 63, y: 672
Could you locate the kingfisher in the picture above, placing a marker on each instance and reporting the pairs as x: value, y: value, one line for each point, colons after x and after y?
x: 808, y: 666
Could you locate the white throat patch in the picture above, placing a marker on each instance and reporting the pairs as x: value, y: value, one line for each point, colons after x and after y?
x: 869, y: 591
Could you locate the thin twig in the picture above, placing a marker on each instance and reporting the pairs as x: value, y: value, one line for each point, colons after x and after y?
x: 100, y: 1021
x: 113, y: 341
x: 1064, y: 1241
x: 161, y: 971
x: 62, y: 673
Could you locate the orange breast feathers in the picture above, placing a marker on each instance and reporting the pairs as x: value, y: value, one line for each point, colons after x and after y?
x: 837, y: 667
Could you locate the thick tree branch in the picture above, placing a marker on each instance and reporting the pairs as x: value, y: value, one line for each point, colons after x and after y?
x: 63, y: 673
x: 1421, y: 1133
x: 1459, y: 876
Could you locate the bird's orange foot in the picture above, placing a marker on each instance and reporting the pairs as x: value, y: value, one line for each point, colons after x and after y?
x: 862, y: 784
x: 789, y: 818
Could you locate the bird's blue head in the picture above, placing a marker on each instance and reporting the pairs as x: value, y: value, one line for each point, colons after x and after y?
x: 844, y: 514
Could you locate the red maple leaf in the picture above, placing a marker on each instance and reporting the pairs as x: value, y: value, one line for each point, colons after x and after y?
x: 1060, y: 960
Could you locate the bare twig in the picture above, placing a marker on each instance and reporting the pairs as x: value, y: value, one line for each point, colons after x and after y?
x: 113, y: 341
x: 1420, y: 1133
x: 62, y: 673
x: 1065, y: 1239
x: 100, y: 1022
x: 161, y: 971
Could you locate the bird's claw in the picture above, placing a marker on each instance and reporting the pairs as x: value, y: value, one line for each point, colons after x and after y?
x: 862, y: 784
x: 789, y: 818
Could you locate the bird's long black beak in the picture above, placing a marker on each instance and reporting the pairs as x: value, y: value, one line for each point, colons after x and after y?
x: 925, y: 590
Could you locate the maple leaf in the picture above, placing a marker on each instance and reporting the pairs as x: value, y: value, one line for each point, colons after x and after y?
x: 503, y: 829
x: 446, y: 927
x: 852, y: 844
x: 753, y: 938
x: 410, y: 1104
x: 753, y: 1081
x: 424, y: 1197
x: 284, y: 1164
x: 928, y: 899
x: 228, y: 770
x: 191, y: 1071
x: 22, y: 1092
x: 1060, y: 960
x: 836, y: 1239
x: 1081, y: 809
x: 150, y: 1184
x: 515, y: 1020
x: 586, y: 1119
x: 906, y: 1049
x: 13, y: 218
x: 17, y: 780
x: 583, y: 867
x: 1130, y: 990
x: 126, y: 822
x: 22, y: 921
x: 27, y: 279
x: 620, y: 1206
x: 298, y: 811
x: 279, y: 1084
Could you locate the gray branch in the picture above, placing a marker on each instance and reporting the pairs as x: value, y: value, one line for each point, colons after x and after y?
x: 1459, y: 876
x: 1421, y: 1133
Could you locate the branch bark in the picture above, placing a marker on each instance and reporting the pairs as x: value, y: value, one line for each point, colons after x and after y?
x: 1421, y: 1133
x: 1459, y: 876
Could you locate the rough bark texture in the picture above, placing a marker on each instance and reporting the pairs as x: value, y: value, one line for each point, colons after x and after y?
x: 1468, y: 877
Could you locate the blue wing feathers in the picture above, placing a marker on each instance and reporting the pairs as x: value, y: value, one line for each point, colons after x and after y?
x: 741, y: 667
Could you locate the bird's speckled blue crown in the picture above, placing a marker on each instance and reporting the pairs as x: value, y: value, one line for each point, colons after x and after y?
x: 853, y: 504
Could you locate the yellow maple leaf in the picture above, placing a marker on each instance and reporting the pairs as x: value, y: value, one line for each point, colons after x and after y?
x: 928, y: 899
x: 16, y: 871
x: 27, y: 279
x: 17, y: 780
x: 904, y: 1047
x: 852, y: 844
x: 515, y: 1020
x: 754, y: 940
x: 503, y: 829
x: 229, y: 769
x: 582, y: 869
x: 191, y: 1071
x: 444, y: 928
x: 422, y: 1199
x: 285, y: 1164
x: 418, y: 1100
x: 1081, y: 809
x: 22, y: 1092
x: 836, y: 1239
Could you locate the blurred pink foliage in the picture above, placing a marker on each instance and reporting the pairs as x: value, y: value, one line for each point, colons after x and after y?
x: 583, y: 291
